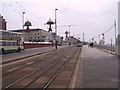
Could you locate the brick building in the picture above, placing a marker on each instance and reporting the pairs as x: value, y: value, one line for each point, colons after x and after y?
x: 2, y: 23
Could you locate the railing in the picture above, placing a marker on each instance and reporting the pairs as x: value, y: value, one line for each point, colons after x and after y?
x: 106, y: 48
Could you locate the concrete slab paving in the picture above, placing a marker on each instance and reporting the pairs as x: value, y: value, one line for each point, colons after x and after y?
x: 97, y: 69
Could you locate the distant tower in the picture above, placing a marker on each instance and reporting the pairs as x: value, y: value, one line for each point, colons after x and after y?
x: 66, y: 33
x: 50, y: 22
x: 27, y: 23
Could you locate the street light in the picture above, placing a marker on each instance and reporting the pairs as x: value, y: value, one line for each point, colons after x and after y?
x: 115, y: 31
x: 55, y: 29
x: 23, y: 19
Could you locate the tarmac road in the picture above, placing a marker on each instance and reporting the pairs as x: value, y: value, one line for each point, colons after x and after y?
x: 27, y: 52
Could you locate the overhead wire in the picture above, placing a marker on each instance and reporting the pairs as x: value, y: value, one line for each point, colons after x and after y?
x: 21, y: 9
x: 98, y: 36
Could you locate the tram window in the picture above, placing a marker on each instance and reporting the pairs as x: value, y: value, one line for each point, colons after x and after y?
x: 18, y: 43
x: 0, y: 33
x: 9, y: 44
x: 0, y: 43
x: 3, y: 43
x: 13, y: 43
x: 3, y: 33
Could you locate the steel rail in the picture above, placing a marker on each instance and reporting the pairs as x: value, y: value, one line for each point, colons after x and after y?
x: 47, y: 70
x: 57, y: 73
x: 25, y: 76
x: 27, y: 65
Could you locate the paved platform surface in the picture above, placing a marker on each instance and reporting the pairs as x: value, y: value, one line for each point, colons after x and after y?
x: 97, y: 69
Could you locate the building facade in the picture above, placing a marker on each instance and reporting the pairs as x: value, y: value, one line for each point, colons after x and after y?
x: 37, y: 35
x: 2, y: 23
x: 71, y: 40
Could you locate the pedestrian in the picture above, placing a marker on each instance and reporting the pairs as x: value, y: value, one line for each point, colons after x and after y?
x: 91, y: 44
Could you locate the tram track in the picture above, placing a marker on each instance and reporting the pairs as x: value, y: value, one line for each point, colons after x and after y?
x: 39, y: 60
x: 68, y: 68
x: 27, y: 63
x: 38, y: 69
x: 51, y: 77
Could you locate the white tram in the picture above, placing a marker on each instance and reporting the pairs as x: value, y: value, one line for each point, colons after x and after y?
x: 10, y: 41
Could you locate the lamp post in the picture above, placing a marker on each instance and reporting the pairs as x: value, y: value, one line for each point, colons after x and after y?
x: 23, y: 19
x: 83, y: 37
x: 55, y: 29
x: 115, y: 31
x: 69, y: 35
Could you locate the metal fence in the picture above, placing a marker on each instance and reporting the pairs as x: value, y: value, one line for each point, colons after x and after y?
x: 107, y: 48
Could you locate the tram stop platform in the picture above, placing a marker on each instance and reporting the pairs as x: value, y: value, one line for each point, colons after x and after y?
x: 97, y: 69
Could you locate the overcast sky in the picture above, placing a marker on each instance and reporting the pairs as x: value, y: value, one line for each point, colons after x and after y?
x: 91, y: 17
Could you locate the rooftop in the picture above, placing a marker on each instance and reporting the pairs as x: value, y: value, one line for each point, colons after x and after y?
x: 35, y: 29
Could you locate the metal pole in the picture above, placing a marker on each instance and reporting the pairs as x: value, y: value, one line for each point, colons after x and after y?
x: 99, y: 37
x: 69, y: 30
x: 83, y: 38
x: 111, y: 45
x: 69, y: 34
x: 55, y: 29
x: 115, y: 31
x: 23, y: 19
x: 99, y: 41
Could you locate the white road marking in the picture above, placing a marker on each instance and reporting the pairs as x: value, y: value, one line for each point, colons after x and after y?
x: 64, y: 59
x: 30, y: 63
x: 82, y: 55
